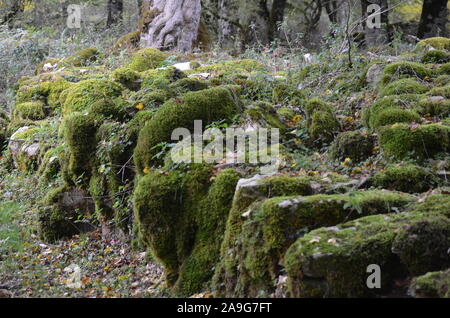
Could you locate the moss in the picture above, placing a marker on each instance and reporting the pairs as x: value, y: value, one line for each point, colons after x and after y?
x: 207, y: 105
x: 151, y: 99
x: 352, y: 144
x: 285, y: 113
x: 444, y: 69
x: 229, y: 69
x: 391, y: 116
x: 436, y: 57
x: 405, y: 101
x: 188, y: 85
x: 161, y: 78
x: 437, y: 107
x: 438, y: 43
x: 405, y: 178
x: 432, y: 285
x: 30, y: 110
x: 399, y: 70
x: 265, y: 115
x: 440, y: 91
x: 50, y: 167
x: 82, y: 95
x: 287, y: 95
x: 332, y: 262
x: 182, y: 217
x: 146, y: 59
x: 434, y: 203
x: 83, y: 57
x: 128, y: 41
x: 275, y: 224
x: 40, y: 66
x: 59, y: 211
x: 127, y: 77
x: 425, y: 141
x: 404, y: 86
x: 323, y: 126
x: 442, y: 80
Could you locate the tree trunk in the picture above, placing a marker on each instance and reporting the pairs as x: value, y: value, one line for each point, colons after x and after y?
x: 16, y: 8
x: 115, y: 12
x: 433, y: 19
x: 174, y: 25
x: 376, y: 34
x: 276, y: 17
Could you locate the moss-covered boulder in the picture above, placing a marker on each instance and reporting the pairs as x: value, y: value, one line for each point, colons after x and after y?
x: 207, y: 105
x: 404, y: 86
x: 436, y: 57
x: 321, y: 121
x: 355, y: 145
x: 443, y: 91
x: 127, y: 77
x: 50, y: 167
x: 182, y: 217
x: 286, y: 94
x: 30, y: 110
x: 438, y: 43
x: 333, y: 262
x: 146, y: 59
x: 414, y: 141
x: 435, y: 106
x: 128, y: 41
x: 431, y: 285
x: 400, y: 70
x: 406, y: 178
x: 264, y: 114
x: 251, y: 260
x: 60, y: 214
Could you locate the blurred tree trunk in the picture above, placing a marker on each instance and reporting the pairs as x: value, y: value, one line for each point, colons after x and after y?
x: 433, y: 19
x: 115, y: 12
x: 174, y: 24
x: 17, y: 6
x: 276, y: 17
x: 376, y: 35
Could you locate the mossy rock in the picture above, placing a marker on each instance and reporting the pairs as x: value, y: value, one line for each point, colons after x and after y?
x: 406, y: 178
x: 50, y: 168
x: 287, y: 95
x: 355, y: 145
x: 150, y: 99
x: 59, y: 212
x: 333, y: 262
x: 286, y: 113
x: 444, y: 69
x: 404, y: 101
x: 127, y: 77
x: 269, y: 228
x: 433, y: 106
x: 146, y: 59
x: 440, y: 91
x: 185, y: 85
x: 229, y: 69
x: 391, y: 116
x: 207, y: 105
x: 29, y: 110
x: 182, y: 217
x: 432, y: 285
x: 128, y: 41
x: 161, y: 78
x: 438, y: 43
x: 82, y: 58
x: 321, y: 121
x: 400, y: 70
x: 404, y: 86
x: 417, y: 142
x: 265, y: 115
x: 436, y: 57
x: 442, y: 80
x: 82, y: 95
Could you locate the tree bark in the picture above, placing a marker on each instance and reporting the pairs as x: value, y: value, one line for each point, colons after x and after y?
x: 115, y: 12
x: 276, y: 17
x: 174, y: 25
x: 16, y: 8
x: 433, y: 19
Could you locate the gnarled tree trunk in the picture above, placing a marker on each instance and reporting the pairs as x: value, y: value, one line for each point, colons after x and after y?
x: 433, y: 19
x: 173, y: 26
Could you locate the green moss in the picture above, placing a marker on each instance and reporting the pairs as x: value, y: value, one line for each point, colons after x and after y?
x: 188, y: 85
x: 404, y: 86
x: 286, y: 113
x: 444, y: 69
x: 275, y: 224
x: 287, y: 95
x: 442, y: 80
x: 436, y: 57
x: 50, y: 167
x: 399, y: 70
x: 127, y: 77
x: 59, y: 211
x: 405, y: 178
x: 30, y: 110
x: 151, y: 99
x: 352, y: 144
x: 146, y: 59
x: 433, y: 107
x: 207, y: 105
x: 265, y: 115
x: 391, y: 116
x: 332, y: 262
x: 128, y: 41
x: 438, y: 43
x: 432, y: 285
x: 82, y: 95
x: 230, y: 69
x: 82, y: 58
x: 425, y: 141
x: 161, y: 78
x: 323, y: 126
x: 434, y: 203
x: 440, y: 91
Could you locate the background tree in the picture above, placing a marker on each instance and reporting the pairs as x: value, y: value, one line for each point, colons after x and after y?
x: 115, y: 12
x: 172, y: 24
x: 434, y: 19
